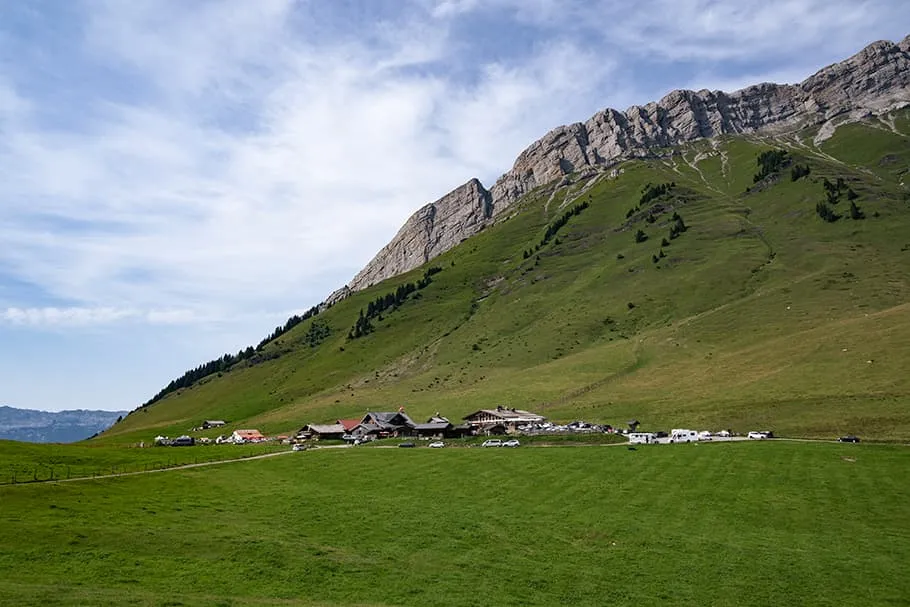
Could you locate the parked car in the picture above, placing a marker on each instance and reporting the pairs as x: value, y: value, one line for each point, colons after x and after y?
x: 436, y: 445
x: 492, y: 442
x: 512, y: 443
x: 848, y: 439
x: 406, y: 445
x: 757, y: 435
x: 298, y: 448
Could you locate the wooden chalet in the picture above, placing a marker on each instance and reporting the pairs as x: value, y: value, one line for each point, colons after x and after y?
x: 246, y: 436
x: 349, y: 424
x: 322, y: 431
x: 501, y: 420
x: 440, y: 427
x: 383, y: 424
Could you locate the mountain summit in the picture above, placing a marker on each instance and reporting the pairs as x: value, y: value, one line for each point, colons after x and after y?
x: 876, y: 79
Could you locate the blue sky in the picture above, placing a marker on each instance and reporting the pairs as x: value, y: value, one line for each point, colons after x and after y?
x: 177, y: 177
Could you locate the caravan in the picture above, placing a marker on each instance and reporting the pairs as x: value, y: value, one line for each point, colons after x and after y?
x: 683, y: 436
x: 642, y: 438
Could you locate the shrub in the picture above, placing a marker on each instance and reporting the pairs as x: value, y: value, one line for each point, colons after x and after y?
x: 826, y: 212
x: 770, y: 162
x: 799, y: 171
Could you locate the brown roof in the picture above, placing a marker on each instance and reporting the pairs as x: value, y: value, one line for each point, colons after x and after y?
x: 349, y: 424
x: 248, y: 433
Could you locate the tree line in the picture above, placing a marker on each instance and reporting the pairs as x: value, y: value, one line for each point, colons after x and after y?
x: 770, y: 162
x: 388, y: 302
x: 557, y: 225
x: 650, y: 193
x: 225, y: 362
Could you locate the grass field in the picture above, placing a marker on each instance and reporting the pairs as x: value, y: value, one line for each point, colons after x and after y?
x: 30, y: 462
x: 726, y: 524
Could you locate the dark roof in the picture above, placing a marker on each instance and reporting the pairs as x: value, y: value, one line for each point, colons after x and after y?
x: 432, y: 426
x: 390, y: 419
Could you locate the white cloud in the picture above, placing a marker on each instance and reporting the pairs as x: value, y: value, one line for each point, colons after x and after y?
x: 157, y: 205
x: 84, y: 317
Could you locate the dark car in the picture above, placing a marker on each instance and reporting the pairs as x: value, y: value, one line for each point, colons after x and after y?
x: 848, y: 439
x: 406, y: 445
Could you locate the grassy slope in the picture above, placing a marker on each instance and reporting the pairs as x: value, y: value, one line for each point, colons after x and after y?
x: 723, y: 524
x: 760, y: 315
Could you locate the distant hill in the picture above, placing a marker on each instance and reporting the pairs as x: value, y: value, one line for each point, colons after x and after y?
x: 62, y: 427
x: 752, y: 275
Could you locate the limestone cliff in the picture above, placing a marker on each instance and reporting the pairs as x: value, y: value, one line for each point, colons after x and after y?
x: 875, y: 79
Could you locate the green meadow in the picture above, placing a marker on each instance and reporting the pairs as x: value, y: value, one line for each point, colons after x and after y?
x: 767, y: 523
x: 759, y: 315
x: 30, y: 462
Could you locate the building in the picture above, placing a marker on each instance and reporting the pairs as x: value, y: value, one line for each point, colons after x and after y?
x: 322, y: 431
x: 213, y: 423
x: 383, y: 424
x: 349, y: 424
x: 246, y: 436
x: 501, y: 420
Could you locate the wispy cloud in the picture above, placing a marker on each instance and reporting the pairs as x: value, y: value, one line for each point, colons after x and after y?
x: 83, y: 317
x: 265, y: 169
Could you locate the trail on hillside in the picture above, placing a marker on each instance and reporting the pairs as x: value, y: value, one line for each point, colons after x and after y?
x: 724, y: 162
x: 694, y: 165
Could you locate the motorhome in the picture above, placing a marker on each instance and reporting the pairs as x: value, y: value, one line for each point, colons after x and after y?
x: 683, y: 436
x: 642, y: 438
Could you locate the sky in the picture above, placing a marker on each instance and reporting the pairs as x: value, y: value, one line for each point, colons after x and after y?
x: 177, y: 177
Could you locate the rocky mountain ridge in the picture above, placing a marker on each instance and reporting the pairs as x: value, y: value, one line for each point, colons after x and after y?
x: 874, y: 80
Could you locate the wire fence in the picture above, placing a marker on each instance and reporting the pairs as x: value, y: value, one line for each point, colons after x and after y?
x: 39, y: 472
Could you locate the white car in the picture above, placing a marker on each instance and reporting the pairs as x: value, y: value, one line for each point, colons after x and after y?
x: 757, y: 435
x: 512, y: 443
x: 492, y: 442
x: 436, y: 445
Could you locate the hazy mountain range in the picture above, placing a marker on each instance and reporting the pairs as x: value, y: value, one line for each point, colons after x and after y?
x: 61, y: 427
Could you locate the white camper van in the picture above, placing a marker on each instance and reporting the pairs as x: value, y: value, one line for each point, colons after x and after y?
x: 642, y: 438
x: 683, y: 436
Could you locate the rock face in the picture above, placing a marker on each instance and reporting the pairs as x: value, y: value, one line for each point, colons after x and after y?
x: 874, y: 80
x: 432, y: 230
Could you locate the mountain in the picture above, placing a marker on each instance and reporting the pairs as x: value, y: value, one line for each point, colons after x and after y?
x: 62, y: 427
x: 758, y: 277
x: 874, y: 80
